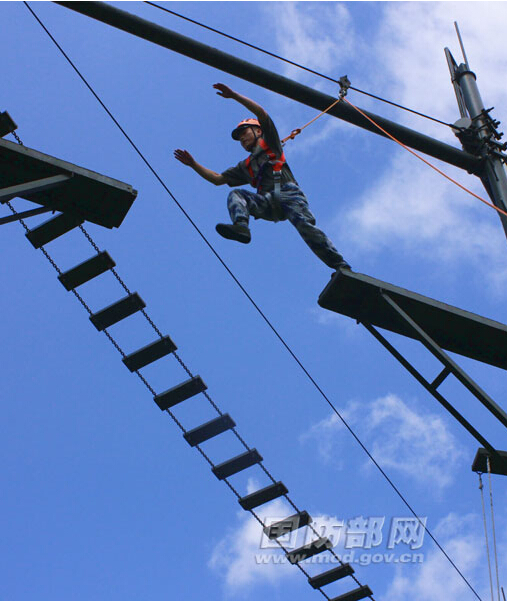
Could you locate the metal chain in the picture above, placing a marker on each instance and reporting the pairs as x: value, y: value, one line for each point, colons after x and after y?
x: 122, y: 283
x: 90, y: 239
x: 17, y: 138
x: 264, y: 469
x: 231, y: 274
x: 217, y: 409
x: 184, y: 366
x: 187, y: 370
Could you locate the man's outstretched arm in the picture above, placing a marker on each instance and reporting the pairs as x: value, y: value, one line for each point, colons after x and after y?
x: 208, y: 174
x: 248, y: 103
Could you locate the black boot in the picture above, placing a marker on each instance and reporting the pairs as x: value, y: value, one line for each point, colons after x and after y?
x: 234, y: 231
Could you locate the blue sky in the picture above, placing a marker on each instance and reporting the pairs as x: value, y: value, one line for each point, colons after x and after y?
x: 102, y: 497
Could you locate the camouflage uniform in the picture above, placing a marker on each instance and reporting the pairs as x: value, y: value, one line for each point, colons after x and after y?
x: 293, y: 204
x: 243, y: 203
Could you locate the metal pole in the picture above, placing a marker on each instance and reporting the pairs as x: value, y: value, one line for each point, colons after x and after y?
x: 493, y: 175
x: 271, y: 81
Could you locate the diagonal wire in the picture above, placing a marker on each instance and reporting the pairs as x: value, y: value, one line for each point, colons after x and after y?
x: 211, y: 402
x: 168, y: 411
x: 264, y: 317
x: 425, y: 161
x: 294, y: 64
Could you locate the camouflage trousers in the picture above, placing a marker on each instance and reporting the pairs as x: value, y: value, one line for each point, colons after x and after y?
x: 294, y: 207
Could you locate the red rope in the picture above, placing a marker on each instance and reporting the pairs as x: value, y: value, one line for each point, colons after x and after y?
x: 424, y: 160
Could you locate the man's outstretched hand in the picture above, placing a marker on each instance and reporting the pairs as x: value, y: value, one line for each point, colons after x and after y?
x: 184, y: 157
x: 224, y: 90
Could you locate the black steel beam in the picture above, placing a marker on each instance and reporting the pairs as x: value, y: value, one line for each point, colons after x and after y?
x: 30, y: 174
x: 429, y: 387
x: 453, y: 329
x: 33, y: 187
x: 444, y: 358
x: 271, y: 81
x: 497, y: 462
x: 24, y: 215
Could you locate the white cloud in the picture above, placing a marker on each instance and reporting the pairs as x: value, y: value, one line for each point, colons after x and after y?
x: 429, y: 219
x: 327, y: 433
x: 314, y: 34
x: 234, y: 557
x: 400, y: 439
x: 415, y: 65
x: 412, y: 207
x: 320, y: 36
x: 412, y: 443
x: 409, y: 206
x: 348, y: 327
x: 463, y: 541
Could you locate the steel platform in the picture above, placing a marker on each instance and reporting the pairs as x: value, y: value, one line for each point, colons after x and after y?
x: 497, y: 464
x: 360, y: 297
x: 62, y: 186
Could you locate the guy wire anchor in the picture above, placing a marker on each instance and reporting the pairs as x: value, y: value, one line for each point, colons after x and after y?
x: 344, y: 85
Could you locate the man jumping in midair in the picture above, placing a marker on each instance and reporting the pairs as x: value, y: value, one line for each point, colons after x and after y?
x: 278, y: 196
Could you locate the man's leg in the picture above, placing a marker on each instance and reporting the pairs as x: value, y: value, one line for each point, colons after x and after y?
x: 241, y: 204
x: 295, y: 206
x: 238, y: 206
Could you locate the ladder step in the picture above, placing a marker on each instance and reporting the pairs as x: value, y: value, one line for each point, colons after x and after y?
x: 117, y: 311
x: 287, y: 525
x: 236, y: 464
x: 331, y: 575
x: 7, y: 125
x: 319, y: 545
x: 263, y: 496
x: 86, y: 271
x: 53, y: 228
x: 180, y: 393
x: 209, y: 430
x: 355, y: 595
x: 150, y: 353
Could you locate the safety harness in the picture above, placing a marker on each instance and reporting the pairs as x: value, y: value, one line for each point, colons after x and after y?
x: 276, y: 165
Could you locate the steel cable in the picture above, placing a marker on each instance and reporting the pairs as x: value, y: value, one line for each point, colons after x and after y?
x: 294, y: 64
x: 251, y: 300
x: 172, y: 415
